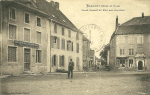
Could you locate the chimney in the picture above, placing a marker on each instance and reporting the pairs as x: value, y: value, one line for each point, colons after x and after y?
x: 52, y: 3
x: 57, y: 5
x: 142, y: 15
x: 116, y: 22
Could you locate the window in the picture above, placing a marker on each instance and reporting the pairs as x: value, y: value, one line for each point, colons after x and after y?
x: 55, y: 28
x: 63, y: 31
x: 54, y: 60
x: 12, y: 56
x: 140, y: 39
x: 38, y: 37
x: 131, y: 40
x: 38, y: 56
x: 55, y: 39
x: 130, y: 62
x: 26, y: 34
x: 12, y: 32
x: 38, y: 22
x: 69, y: 33
x: 121, y: 51
x: 122, y: 62
x: 77, y: 36
x: 69, y: 45
x: 63, y: 44
x: 61, y: 61
x: 131, y: 51
x: 26, y: 18
x: 77, y: 48
x: 12, y: 13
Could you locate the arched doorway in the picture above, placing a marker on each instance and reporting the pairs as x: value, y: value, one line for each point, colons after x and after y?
x: 140, y: 65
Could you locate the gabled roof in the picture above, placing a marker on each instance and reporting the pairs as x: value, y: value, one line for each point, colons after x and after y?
x: 54, y: 14
x: 136, y: 25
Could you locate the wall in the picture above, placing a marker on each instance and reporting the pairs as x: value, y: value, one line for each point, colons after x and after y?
x: 16, y: 68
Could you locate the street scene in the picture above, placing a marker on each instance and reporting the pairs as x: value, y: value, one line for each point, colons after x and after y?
x: 88, y: 83
x: 72, y: 47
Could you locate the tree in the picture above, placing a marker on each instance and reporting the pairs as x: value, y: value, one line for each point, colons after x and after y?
x: 103, y: 53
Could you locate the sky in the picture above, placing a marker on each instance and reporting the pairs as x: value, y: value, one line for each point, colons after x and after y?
x: 102, y: 15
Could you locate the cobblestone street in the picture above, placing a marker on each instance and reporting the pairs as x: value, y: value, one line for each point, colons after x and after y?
x: 81, y: 84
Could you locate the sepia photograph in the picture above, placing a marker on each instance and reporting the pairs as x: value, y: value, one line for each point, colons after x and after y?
x: 74, y: 47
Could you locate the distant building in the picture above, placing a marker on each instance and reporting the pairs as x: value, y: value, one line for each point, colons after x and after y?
x: 86, y: 51
x: 92, y: 58
x: 129, y: 44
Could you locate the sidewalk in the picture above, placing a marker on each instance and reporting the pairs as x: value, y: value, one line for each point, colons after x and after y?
x: 4, y: 76
x: 105, y: 73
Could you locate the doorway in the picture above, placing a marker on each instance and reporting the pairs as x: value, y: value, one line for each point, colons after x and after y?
x: 26, y: 59
x: 140, y: 65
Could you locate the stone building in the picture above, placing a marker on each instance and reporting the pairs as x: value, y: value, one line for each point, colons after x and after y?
x: 37, y: 37
x: 129, y: 44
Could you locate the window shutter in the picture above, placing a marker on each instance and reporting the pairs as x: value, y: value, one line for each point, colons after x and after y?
x: 52, y: 60
x: 63, y: 60
x: 51, y: 41
x: 58, y: 43
x: 56, y: 60
x: 72, y: 46
x: 60, y: 61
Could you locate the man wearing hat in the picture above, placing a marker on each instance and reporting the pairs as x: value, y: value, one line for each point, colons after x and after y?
x: 70, y: 68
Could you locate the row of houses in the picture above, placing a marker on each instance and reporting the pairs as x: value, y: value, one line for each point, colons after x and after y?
x: 36, y: 36
x: 129, y: 45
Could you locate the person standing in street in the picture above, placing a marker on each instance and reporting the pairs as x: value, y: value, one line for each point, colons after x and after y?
x: 70, y: 68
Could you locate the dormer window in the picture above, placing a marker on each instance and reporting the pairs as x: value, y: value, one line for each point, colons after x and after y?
x: 64, y: 21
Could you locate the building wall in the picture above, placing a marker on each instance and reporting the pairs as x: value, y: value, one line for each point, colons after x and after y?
x: 131, y: 41
x: 16, y: 68
x: 112, y: 53
x: 86, y: 57
x: 67, y: 54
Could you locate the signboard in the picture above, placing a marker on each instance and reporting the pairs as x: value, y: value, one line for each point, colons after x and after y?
x: 27, y: 44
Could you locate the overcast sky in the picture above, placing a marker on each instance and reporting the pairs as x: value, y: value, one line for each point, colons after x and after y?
x: 105, y: 20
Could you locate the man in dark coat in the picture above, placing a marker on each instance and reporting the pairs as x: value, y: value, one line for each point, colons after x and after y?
x: 70, y: 68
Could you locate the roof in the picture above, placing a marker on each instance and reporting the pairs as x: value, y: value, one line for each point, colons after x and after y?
x: 54, y: 14
x: 137, y: 25
x: 46, y: 7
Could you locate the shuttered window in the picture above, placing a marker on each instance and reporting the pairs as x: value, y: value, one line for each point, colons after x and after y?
x: 63, y: 31
x: 12, y: 13
x: 12, y: 54
x: 63, y: 44
x: 69, y: 33
x: 77, y: 48
x: 55, y: 28
x: 38, y: 22
x: 12, y: 32
x: 38, y: 37
x: 54, y: 60
x: 61, y: 61
x: 26, y: 18
x: 38, y: 56
x: 26, y: 34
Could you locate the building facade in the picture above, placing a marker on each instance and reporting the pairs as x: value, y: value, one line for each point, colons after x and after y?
x: 129, y: 45
x: 23, y: 29
x: 37, y: 37
x: 86, y: 51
